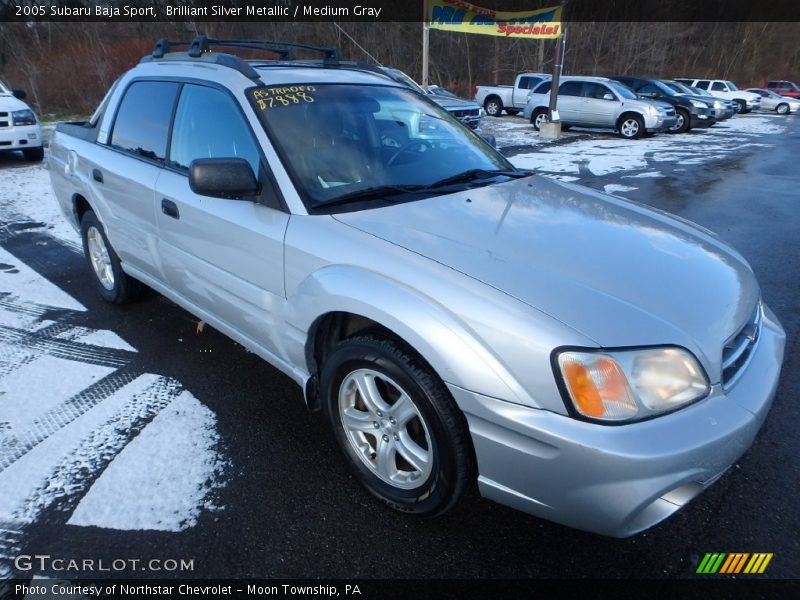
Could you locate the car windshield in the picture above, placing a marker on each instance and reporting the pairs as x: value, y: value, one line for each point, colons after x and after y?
x: 679, y: 88
x: 732, y: 86
x: 699, y: 91
x: 622, y: 90
x: 665, y: 88
x: 351, y: 144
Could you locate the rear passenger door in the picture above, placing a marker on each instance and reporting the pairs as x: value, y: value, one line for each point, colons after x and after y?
x: 224, y: 256
x: 124, y: 184
x: 570, y: 103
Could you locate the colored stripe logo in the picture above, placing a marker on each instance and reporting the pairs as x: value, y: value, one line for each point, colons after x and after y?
x: 734, y: 563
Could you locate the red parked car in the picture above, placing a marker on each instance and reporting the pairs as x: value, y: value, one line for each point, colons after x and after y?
x: 784, y: 88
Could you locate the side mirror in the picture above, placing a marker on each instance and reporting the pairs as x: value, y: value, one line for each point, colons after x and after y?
x: 230, y: 178
x: 19, y: 94
x: 608, y: 96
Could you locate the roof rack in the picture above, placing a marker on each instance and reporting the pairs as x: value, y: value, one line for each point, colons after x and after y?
x: 200, y: 49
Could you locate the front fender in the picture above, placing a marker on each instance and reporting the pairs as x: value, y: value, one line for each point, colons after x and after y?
x: 445, y: 341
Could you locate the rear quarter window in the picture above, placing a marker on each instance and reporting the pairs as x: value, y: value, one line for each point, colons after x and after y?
x: 141, y: 126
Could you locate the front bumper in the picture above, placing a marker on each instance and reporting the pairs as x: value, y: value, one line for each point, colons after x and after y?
x: 701, y: 117
x: 619, y: 480
x: 660, y: 123
x: 753, y: 104
x: 20, y: 137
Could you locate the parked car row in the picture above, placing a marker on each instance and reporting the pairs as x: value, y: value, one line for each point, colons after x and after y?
x: 633, y: 106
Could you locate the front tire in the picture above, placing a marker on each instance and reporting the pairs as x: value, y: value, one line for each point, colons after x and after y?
x: 539, y: 118
x: 631, y: 127
x: 782, y: 109
x: 114, y: 285
x: 741, y: 107
x: 394, y: 420
x: 683, y: 121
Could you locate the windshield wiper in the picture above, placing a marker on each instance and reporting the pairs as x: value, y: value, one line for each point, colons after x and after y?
x: 372, y: 193
x: 475, y: 174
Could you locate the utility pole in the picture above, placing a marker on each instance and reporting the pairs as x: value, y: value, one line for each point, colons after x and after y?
x: 426, y: 31
x: 552, y: 129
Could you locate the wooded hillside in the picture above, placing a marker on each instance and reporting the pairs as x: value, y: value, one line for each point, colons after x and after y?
x: 67, y: 67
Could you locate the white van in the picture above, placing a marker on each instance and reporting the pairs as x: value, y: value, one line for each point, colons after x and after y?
x: 19, y: 127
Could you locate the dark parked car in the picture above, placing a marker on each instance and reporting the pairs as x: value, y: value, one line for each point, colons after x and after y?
x: 691, y: 111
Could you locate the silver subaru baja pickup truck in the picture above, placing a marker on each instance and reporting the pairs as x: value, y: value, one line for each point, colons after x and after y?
x: 458, y: 322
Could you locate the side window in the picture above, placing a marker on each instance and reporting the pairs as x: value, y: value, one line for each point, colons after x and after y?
x: 784, y: 85
x: 595, y: 90
x: 209, y: 124
x: 525, y: 83
x: 543, y: 88
x: 703, y: 84
x: 570, y: 88
x: 142, y: 122
x: 718, y: 86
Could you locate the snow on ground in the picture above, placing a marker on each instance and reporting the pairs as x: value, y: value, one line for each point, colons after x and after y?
x: 81, y: 429
x: 181, y: 439
x: 580, y: 152
x: 26, y: 194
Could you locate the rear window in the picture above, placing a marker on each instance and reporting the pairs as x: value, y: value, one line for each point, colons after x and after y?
x: 142, y: 123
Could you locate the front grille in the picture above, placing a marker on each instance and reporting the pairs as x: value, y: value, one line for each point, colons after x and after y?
x: 4, y: 119
x: 465, y: 113
x: 740, y: 347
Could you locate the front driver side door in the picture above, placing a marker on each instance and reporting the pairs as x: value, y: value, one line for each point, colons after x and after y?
x: 224, y: 256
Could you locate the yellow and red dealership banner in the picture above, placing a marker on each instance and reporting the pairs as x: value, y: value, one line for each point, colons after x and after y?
x: 455, y: 15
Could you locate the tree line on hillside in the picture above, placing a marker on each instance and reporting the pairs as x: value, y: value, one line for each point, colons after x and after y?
x: 67, y: 67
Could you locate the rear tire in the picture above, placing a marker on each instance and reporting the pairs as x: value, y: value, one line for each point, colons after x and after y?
x: 397, y: 425
x: 493, y: 106
x: 34, y: 154
x: 114, y: 285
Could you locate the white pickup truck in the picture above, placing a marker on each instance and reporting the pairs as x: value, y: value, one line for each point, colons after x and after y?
x: 19, y: 128
x: 744, y: 101
x: 511, y: 98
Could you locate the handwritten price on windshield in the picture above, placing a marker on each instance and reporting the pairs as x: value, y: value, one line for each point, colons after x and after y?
x: 283, y: 96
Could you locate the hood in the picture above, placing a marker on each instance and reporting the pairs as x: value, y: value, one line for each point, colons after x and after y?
x: 9, y: 103
x: 617, y: 272
x: 454, y: 103
x: 655, y: 102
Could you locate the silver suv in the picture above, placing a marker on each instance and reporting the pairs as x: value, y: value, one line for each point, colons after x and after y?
x: 603, y: 103
x: 459, y: 322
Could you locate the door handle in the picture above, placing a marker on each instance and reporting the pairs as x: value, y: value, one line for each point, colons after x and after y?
x: 169, y: 208
x: 97, y: 175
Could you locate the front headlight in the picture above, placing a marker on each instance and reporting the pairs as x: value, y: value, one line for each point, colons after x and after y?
x: 629, y: 385
x: 23, y: 117
x: 717, y: 104
x: 698, y: 104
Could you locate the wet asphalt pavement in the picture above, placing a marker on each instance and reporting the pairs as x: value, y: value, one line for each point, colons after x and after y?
x: 291, y: 509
